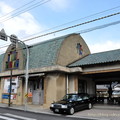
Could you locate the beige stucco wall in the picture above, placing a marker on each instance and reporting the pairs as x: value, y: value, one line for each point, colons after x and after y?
x: 20, y: 91
x: 68, y: 51
x: 55, y: 88
x: 101, y: 68
x: 72, y: 84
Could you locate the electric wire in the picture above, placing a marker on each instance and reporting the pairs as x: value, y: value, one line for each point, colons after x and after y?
x: 90, y: 21
x: 75, y: 20
x: 98, y: 27
x: 73, y: 26
x: 16, y: 14
x: 17, y: 9
x: 84, y: 31
x: 59, y: 25
x: 23, y: 11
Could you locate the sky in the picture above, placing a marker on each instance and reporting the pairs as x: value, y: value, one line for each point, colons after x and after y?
x: 30, y: 18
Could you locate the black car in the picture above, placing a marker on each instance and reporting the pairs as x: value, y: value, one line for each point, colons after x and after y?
x: 72, y: 103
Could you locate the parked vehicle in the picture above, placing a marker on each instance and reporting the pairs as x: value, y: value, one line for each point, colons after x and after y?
x: 116, y: 96
x: 72, y: 103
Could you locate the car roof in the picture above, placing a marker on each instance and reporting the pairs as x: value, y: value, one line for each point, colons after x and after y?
x: 77, y: 94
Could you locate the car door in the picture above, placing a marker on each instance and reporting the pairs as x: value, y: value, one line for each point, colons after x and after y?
x: 86, y: 101
x: 79, y: 103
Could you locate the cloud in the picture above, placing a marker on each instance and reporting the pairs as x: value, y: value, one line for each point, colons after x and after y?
x: 4, y: 8
x: 106, y: 46
x: 22, y: 25
x: 57, y: 5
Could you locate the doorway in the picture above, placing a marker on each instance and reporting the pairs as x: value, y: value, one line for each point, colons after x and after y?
x: 36, y: 87
x: 82, y: 86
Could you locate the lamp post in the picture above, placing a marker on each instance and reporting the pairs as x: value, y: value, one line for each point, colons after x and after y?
x: 14, y: 40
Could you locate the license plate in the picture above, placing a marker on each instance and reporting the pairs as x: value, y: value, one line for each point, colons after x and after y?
x: 56, y: 110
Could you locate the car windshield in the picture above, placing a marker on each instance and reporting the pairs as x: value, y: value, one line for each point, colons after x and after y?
x: 70, y: 97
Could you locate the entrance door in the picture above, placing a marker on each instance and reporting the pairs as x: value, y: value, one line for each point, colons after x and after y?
x: 38, y: 92
x: 36, y: 97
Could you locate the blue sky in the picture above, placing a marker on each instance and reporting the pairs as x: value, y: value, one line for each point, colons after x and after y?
x: 58, y: 12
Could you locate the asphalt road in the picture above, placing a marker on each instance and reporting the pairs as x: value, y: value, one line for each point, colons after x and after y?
x: 11, y: 114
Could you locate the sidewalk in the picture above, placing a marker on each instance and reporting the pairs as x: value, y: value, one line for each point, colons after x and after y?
x: 30, y: 108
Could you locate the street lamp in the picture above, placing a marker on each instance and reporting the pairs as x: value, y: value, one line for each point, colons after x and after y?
x: 14, y: 40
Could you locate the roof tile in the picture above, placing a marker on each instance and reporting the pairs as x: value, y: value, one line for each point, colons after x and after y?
x: 97, y: 58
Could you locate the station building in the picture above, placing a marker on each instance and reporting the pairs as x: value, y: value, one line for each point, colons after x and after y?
x: 56, y: 67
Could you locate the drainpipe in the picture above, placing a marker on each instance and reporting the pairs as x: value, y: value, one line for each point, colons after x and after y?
x: 67, y: 85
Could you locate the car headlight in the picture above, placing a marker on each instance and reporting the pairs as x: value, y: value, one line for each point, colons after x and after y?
x: 64, y: 106
x: 52, y: 105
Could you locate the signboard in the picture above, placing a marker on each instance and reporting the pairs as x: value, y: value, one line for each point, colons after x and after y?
x: 7, y: 85
x: 6, y: 88
x: 6, y: 96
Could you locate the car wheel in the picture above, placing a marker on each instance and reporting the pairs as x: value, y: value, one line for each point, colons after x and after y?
x: 89, y: 106
x: 54, y: 111
x: 72, y: 111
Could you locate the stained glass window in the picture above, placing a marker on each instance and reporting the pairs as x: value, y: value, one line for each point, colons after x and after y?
x: 12, y: 61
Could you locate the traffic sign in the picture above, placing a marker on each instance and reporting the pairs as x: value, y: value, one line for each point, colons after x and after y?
x: 3, y: 35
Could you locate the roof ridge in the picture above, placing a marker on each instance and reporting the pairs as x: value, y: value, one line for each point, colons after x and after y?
x: 52, y: 39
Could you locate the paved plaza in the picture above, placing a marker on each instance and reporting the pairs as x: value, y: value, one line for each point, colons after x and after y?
x: 104, y: 112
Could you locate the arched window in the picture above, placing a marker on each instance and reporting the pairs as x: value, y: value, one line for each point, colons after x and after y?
x: 12, y: 60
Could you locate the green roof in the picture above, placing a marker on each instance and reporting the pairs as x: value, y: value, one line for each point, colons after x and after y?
x: 45, y: 53
x: 1, y: 59
x: 98, y: 58
x: 42, y: 54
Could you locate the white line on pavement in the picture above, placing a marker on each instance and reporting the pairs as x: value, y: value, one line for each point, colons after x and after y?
x: 7, y: 118
x: 20, y: 117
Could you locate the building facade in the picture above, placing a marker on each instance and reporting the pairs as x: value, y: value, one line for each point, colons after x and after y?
x: 56, y: 67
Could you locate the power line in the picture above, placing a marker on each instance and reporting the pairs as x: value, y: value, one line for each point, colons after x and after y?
x: 75, y: 20
x: 90, y: 21
x: 99, y: 27
x: 17, y: 9
x: 24, y: 10
x: 16, y: 14
x: 83, y: 31
x: 70, y: 27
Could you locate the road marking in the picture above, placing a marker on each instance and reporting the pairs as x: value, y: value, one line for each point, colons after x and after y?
x: 7, y: 118
x: 20, y: 117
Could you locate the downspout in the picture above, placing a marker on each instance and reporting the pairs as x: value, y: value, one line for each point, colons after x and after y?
x: 67, y: 85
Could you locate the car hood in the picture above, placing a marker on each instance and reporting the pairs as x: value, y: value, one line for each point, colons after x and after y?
x: 63, y: 102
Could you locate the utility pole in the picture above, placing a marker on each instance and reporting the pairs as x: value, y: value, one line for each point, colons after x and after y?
x: 10, y: 87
